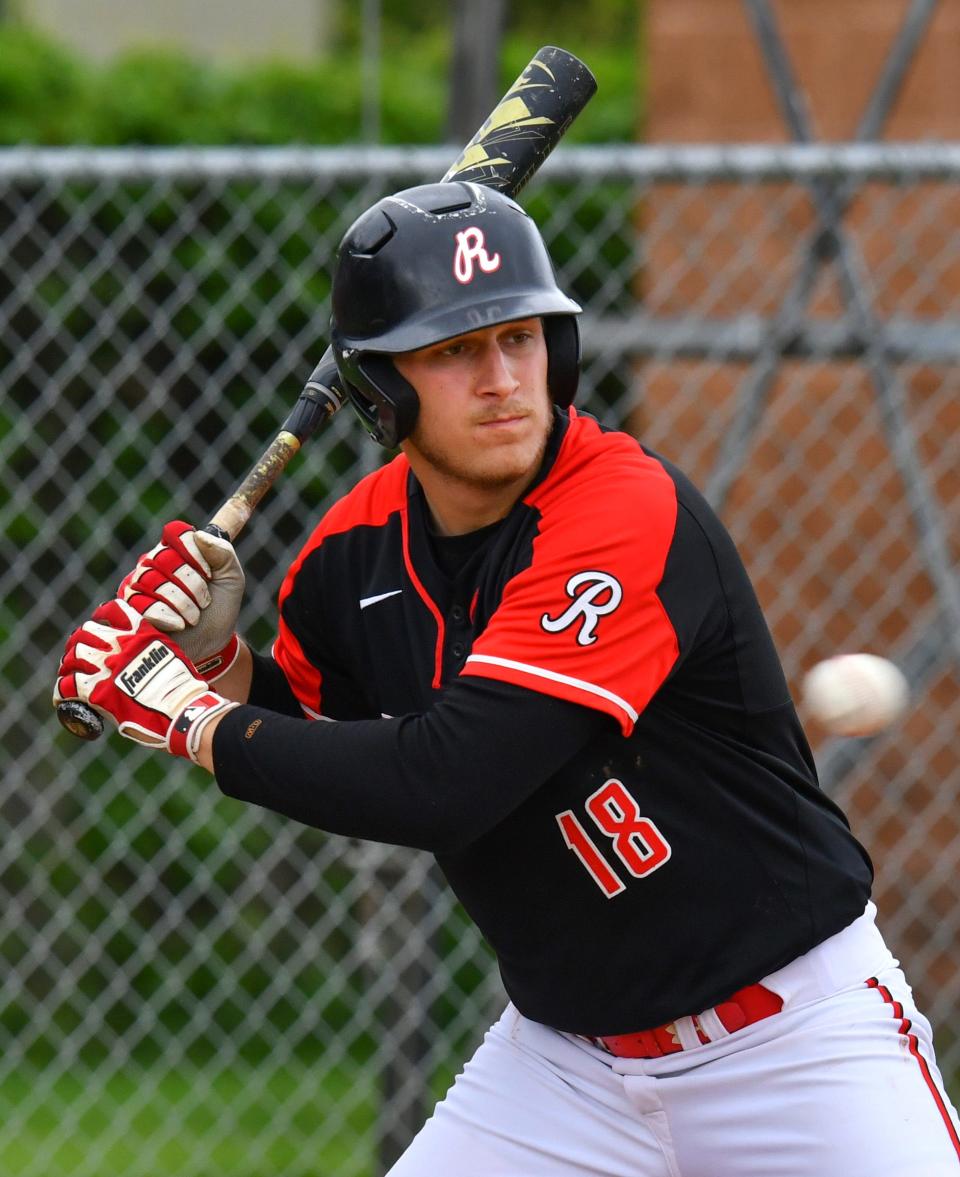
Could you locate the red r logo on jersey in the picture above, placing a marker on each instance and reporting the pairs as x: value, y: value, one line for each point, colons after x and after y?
x: 470, y: 249
x: 594, y: 595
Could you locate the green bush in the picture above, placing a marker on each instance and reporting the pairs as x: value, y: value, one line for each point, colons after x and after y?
x: 50, y: 97
x: 42, y: 88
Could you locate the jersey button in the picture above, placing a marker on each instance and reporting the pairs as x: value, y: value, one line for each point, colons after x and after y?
x: 457, y: 613
x: 458, y: 649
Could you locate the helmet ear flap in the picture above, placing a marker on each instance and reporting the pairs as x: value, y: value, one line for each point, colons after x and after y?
x: 396, y: 399
x: 562, y: 334
x: 385, y: 402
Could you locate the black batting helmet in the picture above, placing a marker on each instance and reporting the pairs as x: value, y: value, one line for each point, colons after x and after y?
x: 430, y: 263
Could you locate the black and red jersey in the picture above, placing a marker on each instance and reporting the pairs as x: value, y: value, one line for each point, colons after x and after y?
x: 546, y: 608
x: 581, y: 712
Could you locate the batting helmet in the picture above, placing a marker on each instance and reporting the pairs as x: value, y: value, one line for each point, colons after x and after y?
x: 430, y: 263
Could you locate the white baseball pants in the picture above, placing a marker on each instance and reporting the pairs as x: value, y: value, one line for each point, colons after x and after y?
x: 841, y: 1083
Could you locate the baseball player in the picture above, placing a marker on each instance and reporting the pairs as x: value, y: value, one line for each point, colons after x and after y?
x: 549, y: 668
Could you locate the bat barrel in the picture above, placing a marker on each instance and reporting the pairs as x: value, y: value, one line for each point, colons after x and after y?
x: 527, y: 122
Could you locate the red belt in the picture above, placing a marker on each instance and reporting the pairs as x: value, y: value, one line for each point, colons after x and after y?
x: 743, y: 1008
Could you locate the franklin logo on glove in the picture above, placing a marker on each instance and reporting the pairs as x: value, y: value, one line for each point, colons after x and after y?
x: 133, y: 679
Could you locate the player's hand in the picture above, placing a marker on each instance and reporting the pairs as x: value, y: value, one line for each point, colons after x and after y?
x: 191, y: 585
x: 132, y: 674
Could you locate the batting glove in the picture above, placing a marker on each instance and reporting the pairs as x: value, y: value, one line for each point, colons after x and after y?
x: 191, y: 584
x: 131, y: 674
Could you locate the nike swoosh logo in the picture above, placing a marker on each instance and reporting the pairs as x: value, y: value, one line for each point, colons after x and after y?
x: 365, y: 601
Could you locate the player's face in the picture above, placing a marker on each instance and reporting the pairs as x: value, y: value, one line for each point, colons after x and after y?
x: 485, y: 412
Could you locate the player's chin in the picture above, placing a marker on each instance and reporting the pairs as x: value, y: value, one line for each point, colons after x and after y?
x: 505, y: 464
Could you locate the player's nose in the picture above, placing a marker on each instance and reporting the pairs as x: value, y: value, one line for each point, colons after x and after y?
x: 495, y: 376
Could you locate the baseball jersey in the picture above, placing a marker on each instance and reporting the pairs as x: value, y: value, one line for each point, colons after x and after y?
x: 581, y: 712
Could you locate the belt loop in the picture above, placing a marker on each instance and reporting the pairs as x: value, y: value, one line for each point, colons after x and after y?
x: 686, y: 1032
x: 711, y: 1025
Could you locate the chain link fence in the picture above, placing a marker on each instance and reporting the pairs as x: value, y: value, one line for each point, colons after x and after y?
x: 196, y: 987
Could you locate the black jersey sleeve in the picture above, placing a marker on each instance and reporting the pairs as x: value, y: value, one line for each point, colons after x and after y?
x: 269, y: 687
x: 436, y: 781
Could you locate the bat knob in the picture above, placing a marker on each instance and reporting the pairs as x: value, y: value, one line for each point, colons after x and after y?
x: 80, y: 720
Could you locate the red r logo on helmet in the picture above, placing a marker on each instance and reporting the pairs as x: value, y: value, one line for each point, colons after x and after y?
x: 470, y: 249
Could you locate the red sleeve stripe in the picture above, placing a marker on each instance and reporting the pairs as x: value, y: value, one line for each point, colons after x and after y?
x: 523, y: 670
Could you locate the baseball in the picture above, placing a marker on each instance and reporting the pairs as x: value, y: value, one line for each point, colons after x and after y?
x: 855, y: 694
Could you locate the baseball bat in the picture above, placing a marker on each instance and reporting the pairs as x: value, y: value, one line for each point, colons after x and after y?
x: 508, y: 148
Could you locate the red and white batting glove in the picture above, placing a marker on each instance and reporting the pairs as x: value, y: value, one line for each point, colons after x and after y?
x: 191, y: 585
x: 131, y: 674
